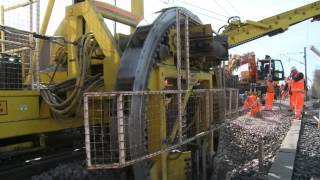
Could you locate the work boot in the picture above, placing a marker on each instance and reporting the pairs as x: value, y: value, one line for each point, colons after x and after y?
x: 297, y: 117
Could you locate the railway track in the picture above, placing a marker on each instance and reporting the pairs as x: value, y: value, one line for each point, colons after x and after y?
x: 26, y: 168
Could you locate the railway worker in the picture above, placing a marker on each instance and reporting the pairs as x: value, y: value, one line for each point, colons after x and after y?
x: 270, y: 93
x: 253, y: 104
x: 297, y: 89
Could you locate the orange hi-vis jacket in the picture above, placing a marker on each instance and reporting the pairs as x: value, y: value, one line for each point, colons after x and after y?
x: 297, y: 86
x: 253, y: 104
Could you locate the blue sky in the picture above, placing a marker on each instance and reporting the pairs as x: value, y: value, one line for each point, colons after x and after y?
x: 286, y: 46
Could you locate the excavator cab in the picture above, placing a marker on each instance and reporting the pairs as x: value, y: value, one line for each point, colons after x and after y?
x: 272, y: 66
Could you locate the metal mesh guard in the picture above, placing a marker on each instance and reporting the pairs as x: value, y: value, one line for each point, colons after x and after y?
x: 18, y: 20
x: 120, y: 132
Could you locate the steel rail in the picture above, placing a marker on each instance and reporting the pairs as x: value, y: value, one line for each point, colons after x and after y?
x: 22, y: 170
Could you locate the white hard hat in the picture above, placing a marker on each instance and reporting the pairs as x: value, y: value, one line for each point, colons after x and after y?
x: 293, y: 68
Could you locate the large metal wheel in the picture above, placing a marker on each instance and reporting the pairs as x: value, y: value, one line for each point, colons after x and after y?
x: 137, y: 62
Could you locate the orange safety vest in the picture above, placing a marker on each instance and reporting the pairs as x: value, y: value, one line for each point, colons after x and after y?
x: 253, y: 103
x: 270, y: 87
x: 297, y: 86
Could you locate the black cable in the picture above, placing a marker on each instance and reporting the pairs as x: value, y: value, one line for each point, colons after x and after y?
x: 61, y: 55
x: 86, y: 46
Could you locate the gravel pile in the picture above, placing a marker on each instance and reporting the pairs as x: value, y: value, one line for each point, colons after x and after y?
x: 75, y: 170
x: 307, y: 162
x: 238, y: 150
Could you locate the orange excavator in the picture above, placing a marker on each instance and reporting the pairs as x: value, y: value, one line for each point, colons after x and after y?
x: 239, y: 60
x: 258, y: 70
x: 252, y: 82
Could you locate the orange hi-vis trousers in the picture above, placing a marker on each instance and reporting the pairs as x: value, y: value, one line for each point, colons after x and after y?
x: 291, y: 100
x: 297, y: 89
x: 298, y: 104
x: 269, y: 100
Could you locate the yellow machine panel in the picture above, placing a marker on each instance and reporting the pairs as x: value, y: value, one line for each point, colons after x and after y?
x: 19, y: 105
x: 20, y: 115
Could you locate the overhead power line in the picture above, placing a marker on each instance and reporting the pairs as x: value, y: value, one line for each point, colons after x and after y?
x: 212, y: 17
x: 204, y: 9
x: 289, y: 58
x: 292, y: 53
x: 225, y: 10
x: 200, y: 8
x: 233, y: 7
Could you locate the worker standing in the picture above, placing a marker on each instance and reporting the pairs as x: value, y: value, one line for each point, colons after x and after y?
x: 270, y: 93
x: 297, y: 89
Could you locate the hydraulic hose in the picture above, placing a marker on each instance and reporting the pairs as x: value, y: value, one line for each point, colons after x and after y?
x: 83, y: 82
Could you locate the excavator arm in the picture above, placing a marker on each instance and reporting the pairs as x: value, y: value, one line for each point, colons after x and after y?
x: 241, y: 32
x: 236, y: 61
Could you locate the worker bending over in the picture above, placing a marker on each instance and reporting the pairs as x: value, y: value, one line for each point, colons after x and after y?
x: 270, y: 93
x: 253, y: 104
x: 297, y: 89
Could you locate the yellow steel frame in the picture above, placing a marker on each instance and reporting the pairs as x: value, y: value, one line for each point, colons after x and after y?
x: 137, y: 9
x: 239, y: 33
x: 162, y: 168
x: 27, y: 113
x: 37, y: 119
x: 71, y: 28
x: 34, y: 126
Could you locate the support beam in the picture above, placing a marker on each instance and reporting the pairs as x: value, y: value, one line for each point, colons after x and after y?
x: 111, y: 12
x: 241, y: 32
x: 105, y: 40
x: 305, y: 71
x: 46, y: 17
x: 137, y: 9
x: 16, y: 6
